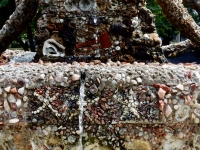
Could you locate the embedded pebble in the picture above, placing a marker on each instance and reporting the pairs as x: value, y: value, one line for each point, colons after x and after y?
x: 13, y: 90
x: 75, y: 77
x: 168, y: 95
x: 161, y: 93
x: 118, y: 100
x: 176, y: 107
x: 7, y: 89
x: 19, y: 102
x: 133, y: 82
x: 11, y: 98
x: 196, y: 120
x: 168, y: 111
x: 139, y: 80
x: 180, y: 87
x: 59, y: 77
x: 14, y: 120
x: 45, y: 132
x: 42, y: 76
x: 25, y: 98
x: 6, y: 105
x: 118, y: 77
x: 21, y: 90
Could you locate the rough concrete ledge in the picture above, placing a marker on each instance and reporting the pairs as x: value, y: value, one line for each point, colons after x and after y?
x: 127, y: 106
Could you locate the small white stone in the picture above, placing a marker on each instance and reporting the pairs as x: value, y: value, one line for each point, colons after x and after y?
x: 14, y: 120
x: 153, y: 96
x: 21, y: 90
x: 42, y: 76
x: 196, y: 120
x: 168, y: 111
x: 45, y: 132
x: 34, y: 120
x: 161, y: 93
x: 59, y: 77
x: 116, y: 42
x: 117, y: 48
x: 118, y: 77
x: 168, y: 95
x: 139, y: 80
x: 1, y: 91
x: 75, y: 77
x: 25, y: 98
x: 180, y: 135
x: 180, y: 87
x: 168, y: 135
x: 65, y: 79
x: 141, y: 134
x: 19, y: 102
x: 54, y: 128
x: 7, y: 89
x: 165, y: 101
x: 50, y: 78
x: 6, y: 106
x: 176, y: 107
x: 174, y: 101
x: 133, y: 82
x: 128, y: 79
x: 11, y: 98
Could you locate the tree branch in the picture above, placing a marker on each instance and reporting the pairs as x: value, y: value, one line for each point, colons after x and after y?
x: 180, y: 18
x: 18, y: 22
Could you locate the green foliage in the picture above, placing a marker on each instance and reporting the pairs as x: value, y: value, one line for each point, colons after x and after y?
x: 3, y: 3
x: 164, y: 28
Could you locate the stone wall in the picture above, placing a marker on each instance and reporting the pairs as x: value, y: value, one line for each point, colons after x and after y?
x: 120, y: 30
x: 127, y: 106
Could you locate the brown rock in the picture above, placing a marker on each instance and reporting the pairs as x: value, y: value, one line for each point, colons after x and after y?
x: 13, y: 90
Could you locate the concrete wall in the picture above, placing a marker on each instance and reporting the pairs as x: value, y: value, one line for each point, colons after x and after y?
x: 127, y: 106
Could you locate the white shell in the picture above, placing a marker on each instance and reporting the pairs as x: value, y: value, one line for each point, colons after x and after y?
x: 182, y: 113
x: 50, y: 49
x: 14, y: 120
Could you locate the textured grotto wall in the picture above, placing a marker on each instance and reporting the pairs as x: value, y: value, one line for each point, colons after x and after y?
x: 123, y: 30
x: 126, y: 106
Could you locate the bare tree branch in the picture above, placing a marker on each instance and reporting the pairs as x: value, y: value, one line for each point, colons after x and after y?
x: 18, y: 22
x: 180, y: 18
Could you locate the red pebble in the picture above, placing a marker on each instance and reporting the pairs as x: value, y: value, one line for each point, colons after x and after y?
x: 193, y: 87
x: 164, y: 87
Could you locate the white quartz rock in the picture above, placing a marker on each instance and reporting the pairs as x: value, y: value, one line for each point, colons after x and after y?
x: 21, y: 90
x: 11, y: 98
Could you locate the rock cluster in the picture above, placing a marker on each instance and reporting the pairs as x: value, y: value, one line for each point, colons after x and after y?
x: 121, y: 30
x: 125, y: 105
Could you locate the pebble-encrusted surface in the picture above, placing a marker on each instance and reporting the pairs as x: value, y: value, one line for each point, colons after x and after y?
x: 126, y: 106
